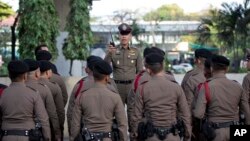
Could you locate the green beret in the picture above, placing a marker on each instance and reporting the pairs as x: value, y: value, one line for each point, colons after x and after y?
x: 18, y: 67
x: 33, y: 65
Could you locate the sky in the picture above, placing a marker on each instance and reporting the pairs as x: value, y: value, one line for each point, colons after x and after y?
x: 106, y: 7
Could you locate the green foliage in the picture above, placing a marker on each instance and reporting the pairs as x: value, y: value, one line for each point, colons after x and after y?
x: 38, y: 24
x: 5, y: 10
x: 80, y: 38
x: 165, y: 13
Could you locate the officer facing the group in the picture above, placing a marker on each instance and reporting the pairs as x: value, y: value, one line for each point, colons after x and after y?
x: 221, y: 102
x: 126, y: 61
x: 96, y: 107
x: 19, y: 105
x: 151, y: 98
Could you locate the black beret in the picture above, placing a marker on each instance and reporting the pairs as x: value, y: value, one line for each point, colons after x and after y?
x: 91, y: 60
x: 146, y: 51
x: 43, y: 55
x: 33, y: 65
x: 220, y: 60
x: 154, y: 58
x: 204, y: 53
x: 18, y: 67
x: 45, y: 65
x: 103, y: 67
x: 124, y: 29
x: 248, y: 57
x: 157, y: 50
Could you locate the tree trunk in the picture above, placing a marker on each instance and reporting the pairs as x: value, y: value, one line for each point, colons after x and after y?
x: 13, y: 38
x: 70, y: 67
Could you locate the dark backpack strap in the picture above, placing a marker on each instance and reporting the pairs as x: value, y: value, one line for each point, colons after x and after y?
x: 137, y: 78
x: 79, y: 88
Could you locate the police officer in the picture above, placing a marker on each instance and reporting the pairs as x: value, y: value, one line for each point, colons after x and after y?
x: 46, y: 72
x: 151, y: 98
x: 140, y: 78
x: 45, y: 93
x: 224, y: 99
x: 195, y: 76
x: 55, y: 78
x: 126, y: 61
x: 19, y: 104
x: 246, y: 80
x: 84, y: 84
x: 96, y: 107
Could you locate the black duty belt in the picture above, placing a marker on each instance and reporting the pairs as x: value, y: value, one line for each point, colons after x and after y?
x: 161, y: 130
x: 101, y: 135
x: 224, y: 124
x: 16, y: 132
x: 123, y: 81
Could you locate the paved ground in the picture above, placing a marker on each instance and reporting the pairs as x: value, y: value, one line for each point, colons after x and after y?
x: 72, y: 80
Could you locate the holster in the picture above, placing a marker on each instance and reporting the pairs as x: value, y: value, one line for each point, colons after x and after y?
x: 180, y: 128
x: 208, y: 130
x: 115, y: 131
x: 35, y: 135
x: 86, y: 134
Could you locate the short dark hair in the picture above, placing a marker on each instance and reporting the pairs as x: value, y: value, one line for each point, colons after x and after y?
x: 98, y: 76
x: 39, y: 47
x: 14, y: 76
x: 155, y: 68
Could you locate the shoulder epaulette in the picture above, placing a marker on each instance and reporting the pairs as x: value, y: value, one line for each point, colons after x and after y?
x: 32, y: 88
x: 43, y: 84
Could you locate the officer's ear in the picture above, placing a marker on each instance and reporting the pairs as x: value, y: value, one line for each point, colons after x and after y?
x: 87, y: 70
x: 25, y: 76
x: 37, y: 73
x: 107, y: 78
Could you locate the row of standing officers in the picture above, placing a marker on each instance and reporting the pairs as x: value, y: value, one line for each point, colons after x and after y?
x: 158, y: 108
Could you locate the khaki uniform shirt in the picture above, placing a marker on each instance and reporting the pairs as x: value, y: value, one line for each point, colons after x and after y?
x: 48, y: 101
x: 58, y: 79
x: 19, y: 104
x: 87, y: 84
x: 226, y: 99
x: 190, y: 82
x: 58, y: 99
x: 246, y: 86
x: 126, y: 63
x: 96, y: 108
x: 161, y: 99
x: 131, y: 96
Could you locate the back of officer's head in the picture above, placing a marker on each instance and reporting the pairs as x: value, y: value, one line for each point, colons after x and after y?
x: 41, y: 47
x: 45, y: 68
x: 154, y: 62
x: 207, y: 68
x: 91, y: 61
x: 219, y: 63
x: 201, y: 55
x: 17, y: 70
x: 33, y: 67
x: 101, y: 70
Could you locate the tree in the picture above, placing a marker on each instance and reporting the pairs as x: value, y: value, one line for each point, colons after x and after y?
x: 80, y: 38
x: 5, y: 10
x: 38, y: 24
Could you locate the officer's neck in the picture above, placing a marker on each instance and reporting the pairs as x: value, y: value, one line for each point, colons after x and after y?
x: 125, y: 46
x: 161, y: 73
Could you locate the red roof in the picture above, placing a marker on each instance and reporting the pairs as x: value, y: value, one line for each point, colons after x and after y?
x: 8, y: 21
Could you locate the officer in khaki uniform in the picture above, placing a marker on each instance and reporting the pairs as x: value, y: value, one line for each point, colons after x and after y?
x: 45, y: 68
x: 162, y: 100
x: 45, y: 93
x: 195, y: 76
x: 55, y: 78
x: 126, y: 61
x: 226, y: 98
x: 19, y: 104
x: 246, y: 80
x: 96, y: 107
x: 84, y: 84
x: 140, y: 78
